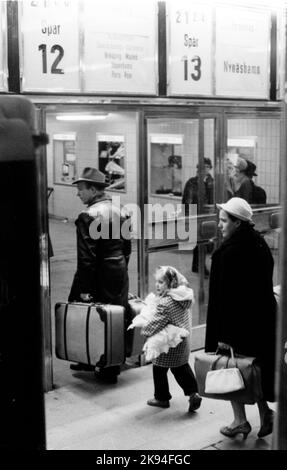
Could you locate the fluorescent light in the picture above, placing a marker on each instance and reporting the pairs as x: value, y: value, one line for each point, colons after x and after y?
x: 81, y: 117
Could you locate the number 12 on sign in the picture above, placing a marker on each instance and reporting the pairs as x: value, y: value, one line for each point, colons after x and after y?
x: 54, y: 67
x: 191, y: 68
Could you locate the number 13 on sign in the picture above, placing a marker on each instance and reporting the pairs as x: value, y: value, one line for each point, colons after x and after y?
x: 191, y: 68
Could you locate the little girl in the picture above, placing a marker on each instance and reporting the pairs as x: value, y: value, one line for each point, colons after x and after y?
x: 169, y: 337
x: 172, y: 308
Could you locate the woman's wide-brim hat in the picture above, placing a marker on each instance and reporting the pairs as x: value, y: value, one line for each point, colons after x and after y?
x: 92, y: 175
x: 239, y: 208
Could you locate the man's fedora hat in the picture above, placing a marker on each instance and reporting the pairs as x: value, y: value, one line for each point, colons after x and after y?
x: 92, y: 175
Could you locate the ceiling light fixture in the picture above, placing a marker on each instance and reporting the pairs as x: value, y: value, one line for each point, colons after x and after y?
x: 81, y: 117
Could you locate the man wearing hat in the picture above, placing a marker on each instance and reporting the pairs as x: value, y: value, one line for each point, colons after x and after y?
x: 191, y: 196
x: 242, y: 308
x: 102, y: 261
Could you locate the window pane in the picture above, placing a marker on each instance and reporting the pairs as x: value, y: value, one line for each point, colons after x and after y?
x: 253, y: 155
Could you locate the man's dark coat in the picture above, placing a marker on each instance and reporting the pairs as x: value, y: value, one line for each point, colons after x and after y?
x: 102, y: 262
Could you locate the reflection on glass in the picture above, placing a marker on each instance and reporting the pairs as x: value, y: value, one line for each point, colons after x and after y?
x: 111, y: 150
x: 166, y: 166
x: 65, y: 158
x: 252, y: 160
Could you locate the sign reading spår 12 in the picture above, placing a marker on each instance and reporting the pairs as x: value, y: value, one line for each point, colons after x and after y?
x: 50, y: 45
x: 190, y: 49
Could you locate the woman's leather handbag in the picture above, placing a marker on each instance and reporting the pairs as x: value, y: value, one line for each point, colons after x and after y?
x: 249, y: 369
x: 224, y: 380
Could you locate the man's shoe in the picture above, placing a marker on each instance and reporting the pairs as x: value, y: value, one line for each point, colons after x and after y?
x: 194, y: 402
x: 159, y: 403
x: 84, y: 367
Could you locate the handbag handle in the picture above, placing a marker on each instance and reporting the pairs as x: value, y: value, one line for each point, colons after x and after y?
x: 213, y: 365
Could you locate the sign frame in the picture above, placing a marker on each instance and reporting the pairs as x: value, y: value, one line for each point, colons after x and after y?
x: 264, y: 95
x: 111, y: 89
x: 51, y: 56
x: 3, y: 50
x: 208, y: 90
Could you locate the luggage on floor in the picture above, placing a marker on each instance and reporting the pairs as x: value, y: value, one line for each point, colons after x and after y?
x: 90, y: 333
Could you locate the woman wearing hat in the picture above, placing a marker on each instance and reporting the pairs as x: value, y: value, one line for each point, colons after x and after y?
x: 242, y: 308
x: 241, y: 185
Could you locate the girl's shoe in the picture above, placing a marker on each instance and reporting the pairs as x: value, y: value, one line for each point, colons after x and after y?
x: 194, y: 402
x: 243, y: 428
x: 267, y: 425
x: 159, y: 403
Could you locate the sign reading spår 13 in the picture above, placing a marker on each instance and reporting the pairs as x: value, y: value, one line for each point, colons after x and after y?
x: 50, y: 45
x: 189, y: 49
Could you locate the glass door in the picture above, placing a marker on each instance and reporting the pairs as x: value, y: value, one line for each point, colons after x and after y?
x: 181, y: 190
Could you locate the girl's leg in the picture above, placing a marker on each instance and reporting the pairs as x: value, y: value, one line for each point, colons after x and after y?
x: 161, y: 388
x: 185, y: 379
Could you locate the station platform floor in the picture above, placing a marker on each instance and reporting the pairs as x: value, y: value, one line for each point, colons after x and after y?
x: 87, y: 415
x: 83, y: 414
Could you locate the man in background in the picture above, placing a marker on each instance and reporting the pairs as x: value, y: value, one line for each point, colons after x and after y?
x: 191, y: 196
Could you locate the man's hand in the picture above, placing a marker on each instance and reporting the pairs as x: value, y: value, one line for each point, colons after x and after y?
x: 86, y: 297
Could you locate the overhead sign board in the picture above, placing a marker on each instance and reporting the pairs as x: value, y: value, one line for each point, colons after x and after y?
x: 190, y: 50
x: 120, y: 51
x: 50, y: 46
x: 242, y: 52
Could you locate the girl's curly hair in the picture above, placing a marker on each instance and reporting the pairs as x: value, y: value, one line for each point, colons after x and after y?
x: 172, y: 277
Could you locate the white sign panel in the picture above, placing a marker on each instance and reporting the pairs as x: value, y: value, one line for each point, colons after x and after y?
x: 50, y: 45
x: 190, y: 49
x: 120, y: 47
x: 3, y: 48
x: 281, y: 52
x: 242, y: 52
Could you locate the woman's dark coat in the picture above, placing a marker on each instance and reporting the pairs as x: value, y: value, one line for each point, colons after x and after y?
x: 102, y: 261
x: 242, y: 307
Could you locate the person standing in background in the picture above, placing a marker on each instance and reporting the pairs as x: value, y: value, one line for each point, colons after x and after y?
x: 191, y: 196
x: 241, y: 185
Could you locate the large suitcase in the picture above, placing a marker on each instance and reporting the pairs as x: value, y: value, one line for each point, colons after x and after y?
x: 90, y: 333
